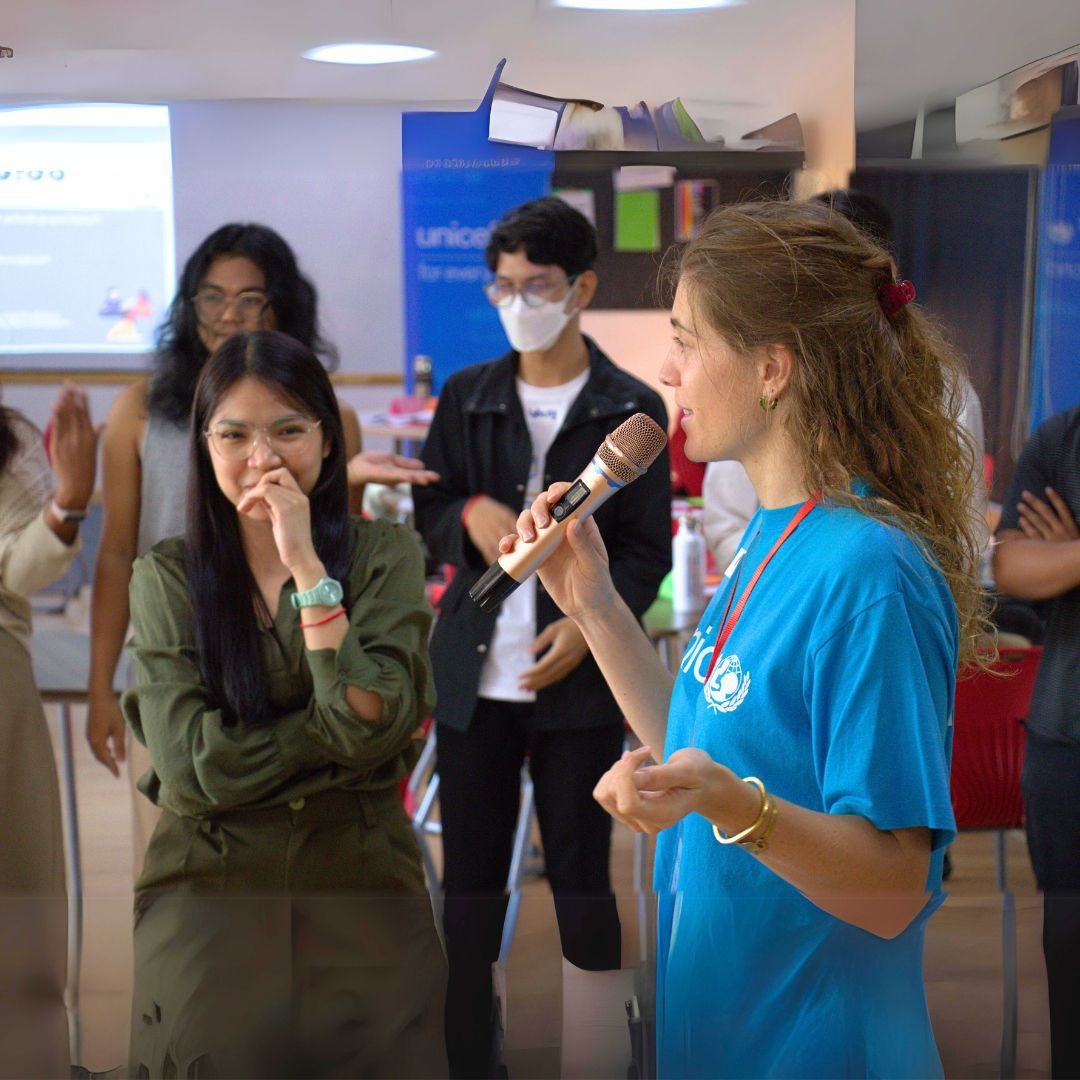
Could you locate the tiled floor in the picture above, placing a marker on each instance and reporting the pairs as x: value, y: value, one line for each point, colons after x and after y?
x: 963, y: 955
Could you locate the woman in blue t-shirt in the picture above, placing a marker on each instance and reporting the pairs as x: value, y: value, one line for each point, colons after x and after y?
x: 803, y: 797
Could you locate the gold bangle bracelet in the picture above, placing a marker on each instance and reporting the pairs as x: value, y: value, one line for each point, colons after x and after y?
x: 760, y: 843
x: 741, y: 836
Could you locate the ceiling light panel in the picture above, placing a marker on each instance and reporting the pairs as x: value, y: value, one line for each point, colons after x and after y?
x: 367, y: 52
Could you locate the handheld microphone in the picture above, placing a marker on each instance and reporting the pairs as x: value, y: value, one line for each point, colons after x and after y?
x: 620, y: 459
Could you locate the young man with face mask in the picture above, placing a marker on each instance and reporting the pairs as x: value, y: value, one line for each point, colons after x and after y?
x: 518, y: 684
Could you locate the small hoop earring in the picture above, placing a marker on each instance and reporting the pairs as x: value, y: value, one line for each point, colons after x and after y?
x: 768, y: 403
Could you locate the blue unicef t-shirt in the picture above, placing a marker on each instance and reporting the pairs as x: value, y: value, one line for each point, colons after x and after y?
x: 836, y: 689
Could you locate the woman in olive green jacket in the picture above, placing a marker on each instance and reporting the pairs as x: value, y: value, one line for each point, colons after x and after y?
x: 281, y: 921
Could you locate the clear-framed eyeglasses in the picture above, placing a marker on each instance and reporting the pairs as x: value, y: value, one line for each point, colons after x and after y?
x: 534, y: 294
x: 249, y: 306
x: 236, y: 441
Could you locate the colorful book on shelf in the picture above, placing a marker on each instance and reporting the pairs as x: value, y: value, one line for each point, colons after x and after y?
x: 676, y: 129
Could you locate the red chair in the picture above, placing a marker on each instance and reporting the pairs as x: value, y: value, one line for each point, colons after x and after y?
x: 988, y: 756
x: 687, y: 477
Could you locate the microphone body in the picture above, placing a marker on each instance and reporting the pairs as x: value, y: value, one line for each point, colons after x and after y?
x: 622, y: 457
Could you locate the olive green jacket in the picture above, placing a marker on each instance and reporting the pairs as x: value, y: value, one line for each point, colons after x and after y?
x: 314, y: 741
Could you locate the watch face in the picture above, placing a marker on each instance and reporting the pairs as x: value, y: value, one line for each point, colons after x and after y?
x: 326, y: 592
x: 329, y: 590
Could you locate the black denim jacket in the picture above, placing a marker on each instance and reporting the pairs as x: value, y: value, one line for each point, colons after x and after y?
x: 479, y: 443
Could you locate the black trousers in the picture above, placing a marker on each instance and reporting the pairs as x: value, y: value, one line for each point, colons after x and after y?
x: 1052, y: 799
x: 479, y: 791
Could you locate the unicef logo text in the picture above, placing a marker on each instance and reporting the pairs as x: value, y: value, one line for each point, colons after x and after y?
x: 454, y: 236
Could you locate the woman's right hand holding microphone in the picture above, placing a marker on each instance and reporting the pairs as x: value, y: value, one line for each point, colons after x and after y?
x: 576, y: 573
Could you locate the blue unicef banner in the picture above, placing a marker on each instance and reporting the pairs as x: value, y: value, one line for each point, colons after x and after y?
x: 1056, y: 352
x: 455, y: 185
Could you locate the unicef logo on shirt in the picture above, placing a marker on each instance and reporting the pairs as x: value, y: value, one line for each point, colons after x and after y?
x: 727, y: 686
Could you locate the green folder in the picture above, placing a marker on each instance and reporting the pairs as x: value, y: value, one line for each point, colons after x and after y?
x: 637, y: 220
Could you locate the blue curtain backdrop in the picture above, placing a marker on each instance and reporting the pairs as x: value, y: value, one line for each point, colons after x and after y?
x: 1056, y: 353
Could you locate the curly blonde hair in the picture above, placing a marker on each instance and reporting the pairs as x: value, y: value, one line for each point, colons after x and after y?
x: 872, y: 396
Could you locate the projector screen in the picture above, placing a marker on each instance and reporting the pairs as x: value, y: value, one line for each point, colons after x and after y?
x: 87, y: 265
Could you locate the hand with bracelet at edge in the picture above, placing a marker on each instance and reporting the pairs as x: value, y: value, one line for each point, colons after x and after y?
x: 73, y: 449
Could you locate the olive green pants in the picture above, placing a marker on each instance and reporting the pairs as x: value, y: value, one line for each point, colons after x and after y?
x: 293, y: 941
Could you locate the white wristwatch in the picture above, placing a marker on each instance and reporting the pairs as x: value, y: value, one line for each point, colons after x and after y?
x: 67, y: 513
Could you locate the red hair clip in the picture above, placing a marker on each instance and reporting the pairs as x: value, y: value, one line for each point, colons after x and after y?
x: 896, y: 294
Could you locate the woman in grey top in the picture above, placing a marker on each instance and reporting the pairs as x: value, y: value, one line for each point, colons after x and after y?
x: 242, y: 277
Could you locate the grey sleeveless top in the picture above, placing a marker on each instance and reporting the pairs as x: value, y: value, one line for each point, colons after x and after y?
x: 164, y: 482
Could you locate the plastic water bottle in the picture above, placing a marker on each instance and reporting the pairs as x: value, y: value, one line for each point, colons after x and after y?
x: 422, y: 372
x: 688, y: 566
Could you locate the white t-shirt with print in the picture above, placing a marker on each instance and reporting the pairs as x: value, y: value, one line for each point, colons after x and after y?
x: 508, y: 655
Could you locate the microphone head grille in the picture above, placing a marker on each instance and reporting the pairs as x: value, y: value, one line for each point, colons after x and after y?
x: 632, y: 447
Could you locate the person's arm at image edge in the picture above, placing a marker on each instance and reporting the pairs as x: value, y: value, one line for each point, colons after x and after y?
x: 109, y: 610
x: 40, y: 550
x: 1035, y: 569
x: 1036, y: 549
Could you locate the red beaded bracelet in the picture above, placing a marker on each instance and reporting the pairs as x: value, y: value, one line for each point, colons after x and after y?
x: 320, y: 622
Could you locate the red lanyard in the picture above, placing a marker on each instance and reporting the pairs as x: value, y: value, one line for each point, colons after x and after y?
x: 729, y: 624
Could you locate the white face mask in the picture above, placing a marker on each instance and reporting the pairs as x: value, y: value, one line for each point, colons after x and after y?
x: 534, y: 329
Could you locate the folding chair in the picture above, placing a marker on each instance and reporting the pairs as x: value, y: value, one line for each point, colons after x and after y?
x: 988, y: 756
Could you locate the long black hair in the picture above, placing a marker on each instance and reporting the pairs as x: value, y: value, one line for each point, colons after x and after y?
x: 226, y: 601
x: 180, y: 351
x: 9, y: 441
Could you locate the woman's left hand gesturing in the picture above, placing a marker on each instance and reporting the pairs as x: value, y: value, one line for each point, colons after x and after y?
x: 654, y: 797
x: 287, y: 508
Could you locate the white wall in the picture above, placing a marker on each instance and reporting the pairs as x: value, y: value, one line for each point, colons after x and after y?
x: 326, y: 176
x: 635, y: 340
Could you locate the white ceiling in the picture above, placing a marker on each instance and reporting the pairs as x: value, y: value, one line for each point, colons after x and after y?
x: 908, y: 52
x: 154, y: 50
